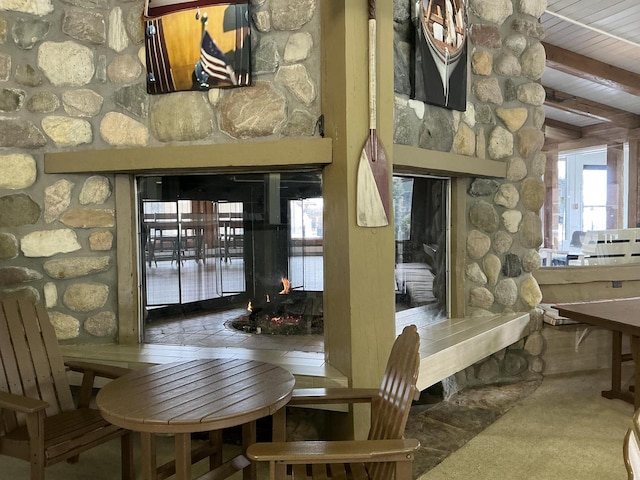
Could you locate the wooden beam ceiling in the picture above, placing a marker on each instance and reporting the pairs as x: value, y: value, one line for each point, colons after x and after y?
x: 581, y: 106
x: 593, y: 70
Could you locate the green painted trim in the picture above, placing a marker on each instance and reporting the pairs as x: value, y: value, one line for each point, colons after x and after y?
x: 230, y: 156
x: 408, y: 159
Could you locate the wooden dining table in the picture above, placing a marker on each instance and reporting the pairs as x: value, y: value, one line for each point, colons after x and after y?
x: 621, y: 316
x: 196, y: 396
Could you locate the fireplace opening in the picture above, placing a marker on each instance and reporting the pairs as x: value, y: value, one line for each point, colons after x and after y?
x: 288, y: 312
x: 217, y: 242
x: 245, y: 252
x: 422, y: 238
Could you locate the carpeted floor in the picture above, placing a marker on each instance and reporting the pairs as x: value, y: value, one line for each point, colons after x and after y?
x: 443, y: 427
x: 559, y: 429
x: 564, y: 430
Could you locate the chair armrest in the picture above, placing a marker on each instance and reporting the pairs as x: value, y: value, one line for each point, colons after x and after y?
x: 100, y: 370
x: 311, y: 396
x: 323, y: 396
x: 22, y: 404
x: 334, y: 452
x: 90, y: 371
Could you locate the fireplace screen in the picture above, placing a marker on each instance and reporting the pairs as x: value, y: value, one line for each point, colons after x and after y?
x: 209, y: 242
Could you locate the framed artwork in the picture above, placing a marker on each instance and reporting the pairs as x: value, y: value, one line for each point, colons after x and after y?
x: 197, y: 45
x: 439, y: 74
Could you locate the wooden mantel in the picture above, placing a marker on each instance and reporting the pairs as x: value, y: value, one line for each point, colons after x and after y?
x: 409, y: 159
x: 282, y: 154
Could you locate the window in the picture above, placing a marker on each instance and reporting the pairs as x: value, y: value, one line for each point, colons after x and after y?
x: 305, y: 244
x: 586, y: 210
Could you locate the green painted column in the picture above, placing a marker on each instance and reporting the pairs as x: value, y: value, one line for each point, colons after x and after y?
x: 359, y: 295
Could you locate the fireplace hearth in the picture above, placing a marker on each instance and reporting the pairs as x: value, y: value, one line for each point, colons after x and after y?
x: 293, y: 313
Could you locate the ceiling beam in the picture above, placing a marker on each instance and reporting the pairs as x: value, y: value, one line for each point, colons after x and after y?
x: 592, y: 70
x: 581, y: 106
x: 587, y: 142
x: 556, y: 131
x: 606, y: 131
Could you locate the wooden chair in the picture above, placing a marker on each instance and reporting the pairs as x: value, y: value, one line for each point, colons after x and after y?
x: 631, y: 449
x: 384, y: 456
x: 39, y: 422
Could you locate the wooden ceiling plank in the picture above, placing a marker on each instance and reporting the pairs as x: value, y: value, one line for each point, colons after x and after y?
x: 593, y: 70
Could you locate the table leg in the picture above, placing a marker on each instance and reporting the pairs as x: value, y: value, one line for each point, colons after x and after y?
x: 616, y: 371
x: 148, y: 454
x: 183, y: 456
x: 215, y: 441
x: 248, y: 437
x: 616, y: 362
x: 279, y: 425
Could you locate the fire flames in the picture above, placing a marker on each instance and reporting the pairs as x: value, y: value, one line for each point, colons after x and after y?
x: 264, y: 316
x: 287, y: 286
x: 285, y: 319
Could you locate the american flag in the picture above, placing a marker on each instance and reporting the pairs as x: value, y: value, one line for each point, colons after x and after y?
x: 213, y: 60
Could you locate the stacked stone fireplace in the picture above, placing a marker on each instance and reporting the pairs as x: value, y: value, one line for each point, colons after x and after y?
x: 58, y: 231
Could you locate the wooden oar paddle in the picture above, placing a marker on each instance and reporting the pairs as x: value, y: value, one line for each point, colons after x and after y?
x: 373, y: 196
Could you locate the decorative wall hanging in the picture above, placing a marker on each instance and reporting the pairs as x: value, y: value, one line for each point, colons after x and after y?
x: 439, y: 76
x: 197, y: 45
x: 373, y: 199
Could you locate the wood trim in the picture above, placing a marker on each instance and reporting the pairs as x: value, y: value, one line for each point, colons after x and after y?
x: 633, y: 218
x: 175, y: 158
x: 408, y: 159
x: 458, y: 249
x: 586, y: 274
x: 551, y: 205
x: 129, y: 317
x: 615, y: 186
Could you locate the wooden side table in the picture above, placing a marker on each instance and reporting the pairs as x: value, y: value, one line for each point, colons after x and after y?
x: 195, y: 396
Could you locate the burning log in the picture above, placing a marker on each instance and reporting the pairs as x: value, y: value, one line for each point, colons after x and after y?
x: 288, y: 312
x: 266, y: 310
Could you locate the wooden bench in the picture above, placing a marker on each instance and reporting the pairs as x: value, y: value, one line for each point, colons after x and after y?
x: 451, y: 345
x: 609, y: 247
x: 446, y: 347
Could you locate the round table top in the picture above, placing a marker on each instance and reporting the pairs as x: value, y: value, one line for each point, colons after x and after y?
x: 195, y: 396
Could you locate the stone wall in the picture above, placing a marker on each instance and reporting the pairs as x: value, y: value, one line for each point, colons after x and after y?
x: 72, y: 76
x: 502, y: 122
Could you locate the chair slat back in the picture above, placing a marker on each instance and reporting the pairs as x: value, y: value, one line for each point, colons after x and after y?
x: 30, y: 357
x: 397, y: 391
x: 9, y: 375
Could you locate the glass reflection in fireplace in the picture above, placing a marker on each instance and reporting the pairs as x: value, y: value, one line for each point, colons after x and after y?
x: 215, y: 242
